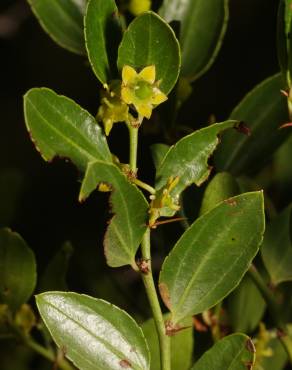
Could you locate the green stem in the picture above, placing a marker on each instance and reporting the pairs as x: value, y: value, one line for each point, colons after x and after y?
x: 147, y: 277
x: 63, y: 364
x: 274, y: 309
x: 41, y: 350
x: 133, y: 133
x: 145, y: 186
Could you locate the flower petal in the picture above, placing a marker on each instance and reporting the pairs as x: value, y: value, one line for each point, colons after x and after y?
x: 128, y: 74
x: 148, y: 74
x: 158, y: 97
x: 144, y: 110
x: 127, y: 95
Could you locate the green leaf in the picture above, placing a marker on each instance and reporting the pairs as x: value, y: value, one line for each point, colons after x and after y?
x: 130, y: 209
x: 277, y: 361
x: 54, y: 276
x: 158, y: 152
x: 221, y: 187
x: 150, y: 41
x: 211, y: 257
x: 203, y: 26
x: 264, y: 109
x: 188, y: 158
x: 235, y: 352
x: 17, y: 269
x: 284, y: 29
x: 94, y: 333
x: 277, y: 249
x: 182, y: 344
x: 102, y: 34
x: 63, y: 21
x: 245, y: 306
x: 60, y: 127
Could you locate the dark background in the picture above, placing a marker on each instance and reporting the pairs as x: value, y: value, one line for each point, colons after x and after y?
x: 39, y: 200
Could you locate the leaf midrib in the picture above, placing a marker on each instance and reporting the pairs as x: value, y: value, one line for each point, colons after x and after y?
x: 99, y: 339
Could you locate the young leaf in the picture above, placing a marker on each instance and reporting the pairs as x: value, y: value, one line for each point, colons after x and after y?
x: 93, y: 333
x: 211, y: 257
x: 245, y: 306
x: 17, y: 269
x: 54, y: 276
x: 102, y: 34
x: 63, y: 21
x: 60, y: 127
x: 221, y: 187
x: 264, y: 109
x: 277, y: 249
x: 182, y: 344
x: 235, y: 352
x: 130, y: 209
x: 203, y: 26
x: 188, y: 158
x: 150, y: 41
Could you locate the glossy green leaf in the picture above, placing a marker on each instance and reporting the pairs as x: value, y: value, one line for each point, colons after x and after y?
x: 63, y: 21
x: 158, y: 152
x: 182, y: 344
x: 54, y: 275
x: 284, y: 29
x: 245, y: 306
x: 60, y: 127
x: 277, y: 248
x: 203, y: 26
x: 93, y: 333
x: 149, y: 40
x: 211, y: 257
x: 130, y: 209
x: 188, y: 158
x: 103, y: 35
x: 17, y: 269
x: 221, y: 187
x: 264, y: 109
x: 235, y: 352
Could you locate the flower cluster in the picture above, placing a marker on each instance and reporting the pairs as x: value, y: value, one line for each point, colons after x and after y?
x: 139, y: 90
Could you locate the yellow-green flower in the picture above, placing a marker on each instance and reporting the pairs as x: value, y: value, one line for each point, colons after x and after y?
x: 141, y: 90
x: 112, y: 108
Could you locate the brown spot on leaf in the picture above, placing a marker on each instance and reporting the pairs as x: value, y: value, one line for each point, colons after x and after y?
x: 171, y: 329
x: 243, y: 129
x: 164, y: 292
x: 232, y: 202
x: 248, y: 365
x: 125, y: 364
x: 250, y: 346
